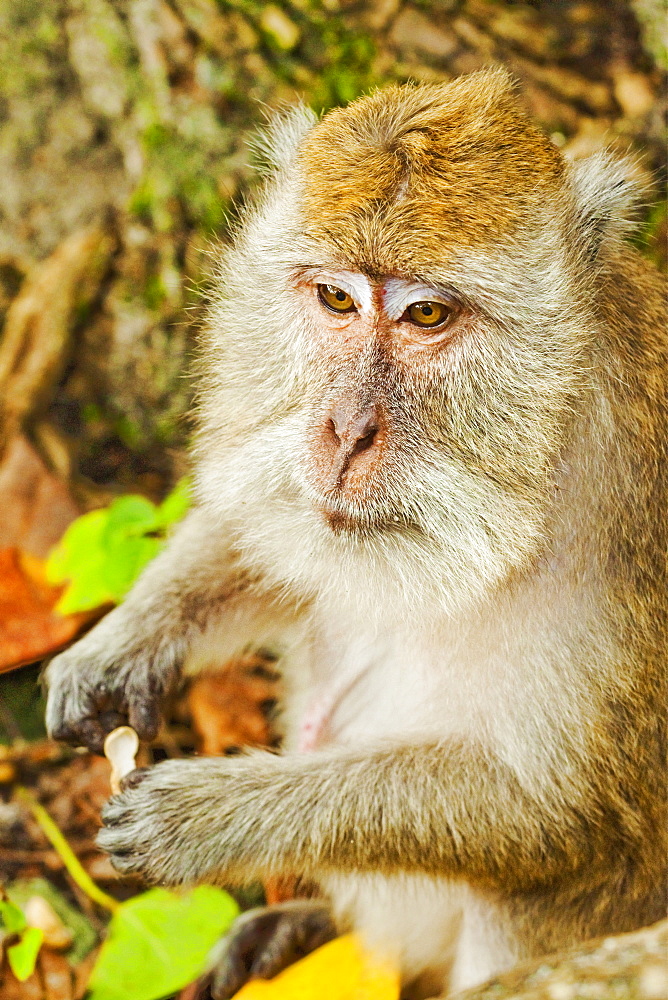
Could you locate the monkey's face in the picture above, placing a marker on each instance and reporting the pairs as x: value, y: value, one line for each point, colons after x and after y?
x: 399, y: 430
x: 380, y: 340
x: 427, y: 414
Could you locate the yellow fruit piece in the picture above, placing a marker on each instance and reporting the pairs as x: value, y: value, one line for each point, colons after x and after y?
x: 340, y: 970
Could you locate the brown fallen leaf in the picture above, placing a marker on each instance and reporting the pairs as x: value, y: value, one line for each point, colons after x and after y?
x: 82, y: 974
x: 29, y: 627
x: 12, y: 989
x: 56, y: 975
x: 280, y: 889
x: 231, y: 708
x: 35, y: 505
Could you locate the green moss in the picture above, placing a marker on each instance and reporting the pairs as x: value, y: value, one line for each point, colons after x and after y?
x: 91, y: 413
x: 30, y: 41
x: 179, y: 186
x: 329, y: 64
x: 340, y: 57
x: 349, y: 71
x: 155, y: 292
x: 129, y: 433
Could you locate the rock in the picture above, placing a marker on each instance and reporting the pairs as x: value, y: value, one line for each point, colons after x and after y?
x: 522, y: 27
x: 633, y: 93
x: 41, y: 321
x: 624, y: 967
x: 651, y: 15
x: 222, y: 34
x: 379, y: 13
x: 96, y: 46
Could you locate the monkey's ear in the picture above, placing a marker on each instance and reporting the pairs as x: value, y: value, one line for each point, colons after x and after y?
x: 608, y: 191
x: 278, y: 143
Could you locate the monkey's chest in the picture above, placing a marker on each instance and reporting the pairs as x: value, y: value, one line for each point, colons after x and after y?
x: 364, y: 686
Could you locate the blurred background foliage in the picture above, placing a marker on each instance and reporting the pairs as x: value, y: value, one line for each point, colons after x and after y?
x: 131, y: 122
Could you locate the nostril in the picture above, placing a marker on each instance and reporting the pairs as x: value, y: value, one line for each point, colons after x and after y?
x: 364, y: 429
x: 330, y: 430
x: 348, y: 433
x: 364, y: 443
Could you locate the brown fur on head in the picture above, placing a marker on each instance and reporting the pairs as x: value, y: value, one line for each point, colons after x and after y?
x: 431, y: 167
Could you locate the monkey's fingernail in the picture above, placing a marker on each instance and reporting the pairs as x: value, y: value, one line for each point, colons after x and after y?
x: 134, y: 778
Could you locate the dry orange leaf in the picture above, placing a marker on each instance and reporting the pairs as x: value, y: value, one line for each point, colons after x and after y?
x: 35, y: 504
x: 228, y: 707
x: 29, y: 627
x: 279, y: 889
x: 340, y: 970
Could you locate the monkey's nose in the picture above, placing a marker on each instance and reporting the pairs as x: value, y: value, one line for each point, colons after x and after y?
x: 351, y: 437
x: 356, y: 432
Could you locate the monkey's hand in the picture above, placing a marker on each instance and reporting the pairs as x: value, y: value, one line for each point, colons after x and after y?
x: 200, y: 819
x: 120, y: 672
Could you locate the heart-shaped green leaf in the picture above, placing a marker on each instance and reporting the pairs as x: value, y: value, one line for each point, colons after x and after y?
x: 159, y: 942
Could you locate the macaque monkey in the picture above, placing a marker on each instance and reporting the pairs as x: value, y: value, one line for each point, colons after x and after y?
x: 431, y: 472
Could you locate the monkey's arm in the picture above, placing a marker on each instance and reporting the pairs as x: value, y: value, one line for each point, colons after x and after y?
x: 448, y: 809
x: 124, y: 667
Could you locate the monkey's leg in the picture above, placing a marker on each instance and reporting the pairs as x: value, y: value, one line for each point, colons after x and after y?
x: 265, y: 941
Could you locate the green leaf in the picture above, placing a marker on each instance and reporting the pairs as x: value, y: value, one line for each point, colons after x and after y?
x: 12, y: 917
x: 87, y: 590
x: 80, y: 542
x: 129, y: 515
x: 125, y: 561
x: 159, y: 942
x: 22, y: 956
x: 102, y: 553
x: 174, y: 506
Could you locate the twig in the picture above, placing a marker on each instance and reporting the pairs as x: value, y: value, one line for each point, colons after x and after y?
x: 69, y: 858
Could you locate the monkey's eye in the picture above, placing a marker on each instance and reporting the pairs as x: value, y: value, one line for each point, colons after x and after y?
x: 427, y: 314
x: 335, y: 299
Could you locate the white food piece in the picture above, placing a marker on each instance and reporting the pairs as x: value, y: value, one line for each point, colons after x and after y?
x: 39, y: 913
x: 120, y: 749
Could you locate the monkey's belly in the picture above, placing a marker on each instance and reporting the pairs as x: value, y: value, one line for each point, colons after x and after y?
x: 379, y: 685
x: 443, y: 934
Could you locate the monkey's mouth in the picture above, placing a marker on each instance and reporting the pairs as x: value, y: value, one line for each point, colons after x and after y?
x: 360, y: 522
x: 345, y: 523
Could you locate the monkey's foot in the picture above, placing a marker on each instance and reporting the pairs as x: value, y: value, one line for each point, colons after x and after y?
x: 265, y: 941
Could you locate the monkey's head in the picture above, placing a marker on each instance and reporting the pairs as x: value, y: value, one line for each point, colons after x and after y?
x: 402, y: 341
